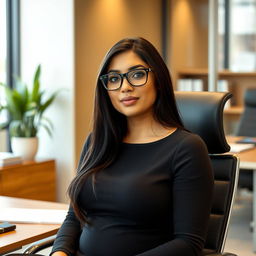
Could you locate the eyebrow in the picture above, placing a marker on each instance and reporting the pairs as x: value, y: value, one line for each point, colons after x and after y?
x: 130, y: 68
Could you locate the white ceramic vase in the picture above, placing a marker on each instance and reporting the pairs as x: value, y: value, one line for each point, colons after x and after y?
x: 25, y: 147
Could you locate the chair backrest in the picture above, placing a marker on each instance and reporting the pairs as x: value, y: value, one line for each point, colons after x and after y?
x: 247, y: 124
x: 202, y: 113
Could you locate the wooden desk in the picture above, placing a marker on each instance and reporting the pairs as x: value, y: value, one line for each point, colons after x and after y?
x: 27, y: 233
x: 247, y: 158
x: 248, y: 161
x: 31, y: 180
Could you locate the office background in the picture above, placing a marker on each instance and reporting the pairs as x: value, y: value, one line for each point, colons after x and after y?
x: 69, y: 38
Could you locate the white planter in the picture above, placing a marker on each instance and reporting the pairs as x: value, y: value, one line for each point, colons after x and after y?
x: 25, y: 147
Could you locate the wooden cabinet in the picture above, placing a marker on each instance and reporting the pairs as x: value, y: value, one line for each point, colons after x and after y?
x: 31, y: 180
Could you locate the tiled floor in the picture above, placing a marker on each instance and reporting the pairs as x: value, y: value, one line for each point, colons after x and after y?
x: 239, y: 239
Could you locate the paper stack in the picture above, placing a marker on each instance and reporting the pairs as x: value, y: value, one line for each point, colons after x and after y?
x: 235, y: 147
x: 8, y: 158
x: 185, y: 84
x: 25, y: 215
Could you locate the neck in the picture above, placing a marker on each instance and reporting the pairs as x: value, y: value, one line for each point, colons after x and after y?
x: 145, y: 129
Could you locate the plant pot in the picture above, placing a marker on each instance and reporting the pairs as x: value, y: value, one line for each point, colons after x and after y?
x: 25, y: 147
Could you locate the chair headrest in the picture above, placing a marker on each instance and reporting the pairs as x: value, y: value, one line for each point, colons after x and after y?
x: 250, y: 97
x: 202, y: 114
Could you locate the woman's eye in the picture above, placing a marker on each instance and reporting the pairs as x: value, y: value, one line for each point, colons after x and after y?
x: 113, y: 78
x: 138, y: 74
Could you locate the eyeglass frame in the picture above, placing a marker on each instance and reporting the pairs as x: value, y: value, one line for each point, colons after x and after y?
x: 124, y: 75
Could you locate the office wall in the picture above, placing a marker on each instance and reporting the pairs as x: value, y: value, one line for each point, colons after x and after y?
x: 98, y: 25
x: 69, y: 38
x: 47, y: 37
x: 188, y: 47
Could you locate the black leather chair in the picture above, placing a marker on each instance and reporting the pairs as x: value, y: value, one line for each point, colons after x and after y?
x: 247, y: 127
x: 202, y: 113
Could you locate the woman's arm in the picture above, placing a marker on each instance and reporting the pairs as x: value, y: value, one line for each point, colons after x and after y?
x: 68, y: 235
x: 192, y: 188
x: 66, y: 242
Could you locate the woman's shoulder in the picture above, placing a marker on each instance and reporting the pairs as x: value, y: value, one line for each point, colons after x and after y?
x: 186, y: 139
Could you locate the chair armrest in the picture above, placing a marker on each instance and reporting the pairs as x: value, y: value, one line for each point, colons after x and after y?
x: 40, y: 245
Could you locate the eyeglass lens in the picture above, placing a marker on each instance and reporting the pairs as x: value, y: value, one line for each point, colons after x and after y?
x: 135, y: 77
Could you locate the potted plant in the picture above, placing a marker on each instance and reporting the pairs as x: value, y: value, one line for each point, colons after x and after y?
x: 25, y: 115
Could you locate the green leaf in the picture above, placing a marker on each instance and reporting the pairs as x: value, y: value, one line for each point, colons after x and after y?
x: 35, y: 92
x: 36, y: 85
x: 4, y: 125
x: 12, y: 104
x: 26, y: 108
x: 37, y: 73
x: 16, y: 128
x: 47, y: 128
x: 49, y: 101
x: 48, y: 121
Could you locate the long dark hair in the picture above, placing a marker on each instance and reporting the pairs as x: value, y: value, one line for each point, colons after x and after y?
x: 110, y: 126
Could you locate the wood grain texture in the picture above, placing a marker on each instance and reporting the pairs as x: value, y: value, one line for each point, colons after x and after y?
x: 27, y: 233
x: 244, y: 156
x: 31, y: 180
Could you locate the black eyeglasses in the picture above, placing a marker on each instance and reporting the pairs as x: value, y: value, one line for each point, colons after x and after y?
x: 137, y: 77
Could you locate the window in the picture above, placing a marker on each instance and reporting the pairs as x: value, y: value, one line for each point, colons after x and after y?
x: 3, y: 40
x: 221, y: 38
x: 237, y: 35
x: 9, y: 52
x: 3, y: 52
x: 243, y: 35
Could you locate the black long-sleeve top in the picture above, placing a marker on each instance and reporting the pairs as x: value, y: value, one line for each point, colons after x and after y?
x: 154, y: 200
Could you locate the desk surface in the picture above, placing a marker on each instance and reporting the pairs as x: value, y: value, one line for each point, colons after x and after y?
x: 247, y: 157
x: 27, y: 233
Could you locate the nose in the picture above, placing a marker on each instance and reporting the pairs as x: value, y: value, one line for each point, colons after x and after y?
x: 126, y: 87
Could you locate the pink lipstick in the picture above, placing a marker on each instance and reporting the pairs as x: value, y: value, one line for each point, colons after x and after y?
x: 130, y: 100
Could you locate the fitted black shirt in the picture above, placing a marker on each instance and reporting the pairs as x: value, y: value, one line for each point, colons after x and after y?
x: 154, y: 200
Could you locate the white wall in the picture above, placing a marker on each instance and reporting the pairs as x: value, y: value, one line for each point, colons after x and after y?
x: 47, y: 38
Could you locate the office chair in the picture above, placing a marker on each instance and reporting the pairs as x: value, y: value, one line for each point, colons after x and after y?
x: 247, y: 127
x: 202, y: 113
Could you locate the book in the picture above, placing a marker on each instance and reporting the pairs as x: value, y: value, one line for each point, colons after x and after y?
x: 236, y: 148
x: 185, y: 84
x: 247, y: 140
x: 8, y: 158
x: 197, y: 85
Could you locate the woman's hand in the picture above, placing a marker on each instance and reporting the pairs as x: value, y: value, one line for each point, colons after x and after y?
x: 59, y: 253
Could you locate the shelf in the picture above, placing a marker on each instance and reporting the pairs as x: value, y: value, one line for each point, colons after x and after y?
x: 196, y: 72
x: 234, y: 111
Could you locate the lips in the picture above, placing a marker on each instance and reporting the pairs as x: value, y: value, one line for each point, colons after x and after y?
x: 130, y: 100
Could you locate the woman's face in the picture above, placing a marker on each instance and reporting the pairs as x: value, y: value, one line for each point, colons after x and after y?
x: 128, y: 100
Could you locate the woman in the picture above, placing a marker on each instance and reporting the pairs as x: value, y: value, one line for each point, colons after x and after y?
x: 144, y: 183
